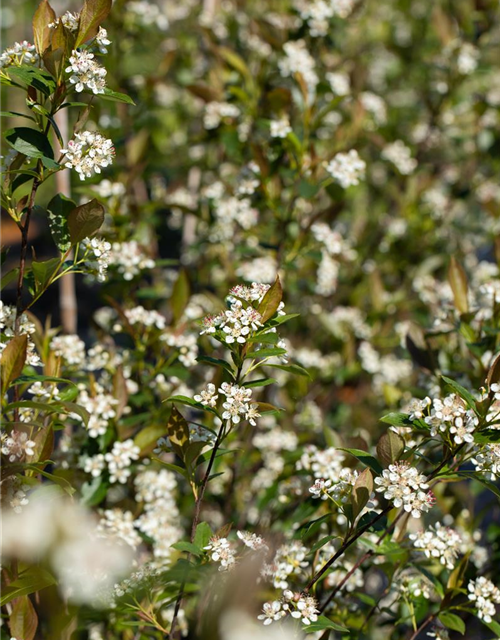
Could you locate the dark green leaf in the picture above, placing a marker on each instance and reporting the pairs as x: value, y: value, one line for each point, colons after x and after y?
x: 366, y: 459
x: 32, y: 143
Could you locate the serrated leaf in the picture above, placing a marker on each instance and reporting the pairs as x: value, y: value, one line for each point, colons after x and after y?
x: 85, y: 220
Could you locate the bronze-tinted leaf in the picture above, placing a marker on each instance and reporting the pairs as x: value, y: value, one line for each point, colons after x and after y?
x: 93, y: 14
x: 85, y: 220
x: 271, y: 301
x: 390, y: 447
x: 458, y: 284
x: 361, y: 492
x: 44, y: 15
x: 23, y: 620
x: 13, y: 359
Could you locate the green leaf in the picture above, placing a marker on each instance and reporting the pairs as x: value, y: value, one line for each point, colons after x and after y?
x: 461, y: 391
x: 85, y: 220
x: 180, y: 295
x: 452, y: 621
x: 94, y: 12
x: 43, y: 272
x: 10, y: 276
x: 44, y: 15
x: 148, y: 436
x: 189, y: 547
x: 216, y: 362
x: 202, y: 535
x: 366, y: 459
x: 262, y: 382
x: 397, y: 419
x: 34, y: 77
x: 296, y: 369
x: 58, y: 211
x: 33, y: 579
x: 29, y: 379
x: 32, y: 143
x: 94, y: 492
x: 115, y: 96
x: 390, y: 448
x: 323, y: 623
x: 271, y: 301
x: 185, y: 400
x: 266, y: 353
x: 482, y: 480
x: 13, y: 359
x: 493, y: 626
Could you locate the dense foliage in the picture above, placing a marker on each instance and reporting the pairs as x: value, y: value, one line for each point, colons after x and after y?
x: 280, y: 413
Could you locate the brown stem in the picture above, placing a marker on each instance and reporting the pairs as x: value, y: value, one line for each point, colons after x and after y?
x: 424, y: 624
x: 344, y: 547
x: 24, y: 250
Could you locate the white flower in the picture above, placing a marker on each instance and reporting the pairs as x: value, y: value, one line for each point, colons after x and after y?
x: 485, y: 595
x: 439, y: 542
x: 208, y: 396
x: 488, y: 459
x: 347, y: 168
x: 102, y: 40
x: 280, y: 128
x: 70, y: 348
x: 400, y: 156
x: 21, y: 53
x: 220, y: 551
x: 321, y: 489
x: 94, y: 465
x: 405, y: 487
x: 100, y: 249
x: 86, y: 72
x: 271, y: 611
x: 339, y: 83
x: 88, y: 152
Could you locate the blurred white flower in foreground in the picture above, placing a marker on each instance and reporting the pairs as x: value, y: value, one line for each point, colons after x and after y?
x: 238, y: 625
x: 54, y: 529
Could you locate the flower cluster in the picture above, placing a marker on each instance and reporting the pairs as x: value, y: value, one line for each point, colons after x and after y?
x: 26, y: 327
x: 484, y: 595
x: 100, y: 250
x: 450, y: 417
x: 88, y: 152
x: 86, y: 73
x: 405, y: 487
x: 238, y: 403
x: 119, y: 460
x: 439, y: 542
x: 304, y: 608
x: 21, y: 53
x: 347, y: 168
x: 221, y: 551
